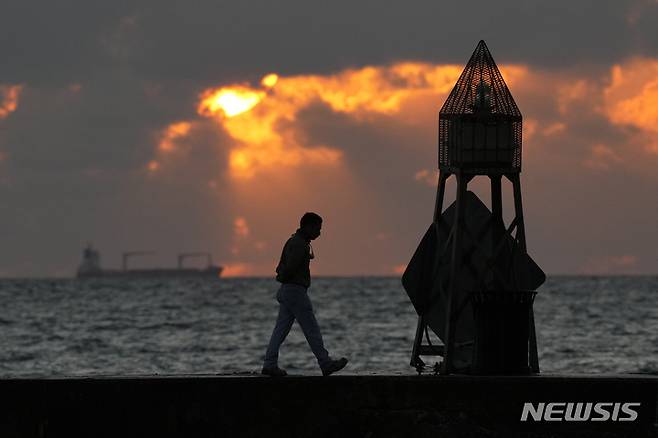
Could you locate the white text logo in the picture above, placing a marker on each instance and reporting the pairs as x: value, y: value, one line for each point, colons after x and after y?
x: 569, y: 411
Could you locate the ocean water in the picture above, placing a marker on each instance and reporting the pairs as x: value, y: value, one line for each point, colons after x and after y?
x: 168, y: 326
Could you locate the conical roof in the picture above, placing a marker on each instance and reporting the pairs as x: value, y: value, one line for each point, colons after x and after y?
x: 481, y: 84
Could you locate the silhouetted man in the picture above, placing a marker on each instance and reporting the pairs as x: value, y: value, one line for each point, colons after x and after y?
x: 294, y: 274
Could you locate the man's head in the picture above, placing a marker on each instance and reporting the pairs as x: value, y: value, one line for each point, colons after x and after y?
x: 311, y: 223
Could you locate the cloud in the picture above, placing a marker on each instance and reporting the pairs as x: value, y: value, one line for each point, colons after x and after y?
x: 602, y: 157
x: 260, y: 142
x: 429, y: 177
x: 614, y: 264
x: 53, y: 45
x: 75, y: 88
x: 630, y: 98
x: 571, y: 93
x: 529, y: 128
x: 263, y: 120
x: 240, y: 227
x: 9, y: 95
x: 208, y: 40
x: 172, y: 134
x: 237, y: 269
x: 122, y: 40
x: 153, y: 166
x: 554, y: 129
x: 296, y: 37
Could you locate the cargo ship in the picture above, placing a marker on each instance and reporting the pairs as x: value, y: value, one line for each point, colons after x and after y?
x: 91, y: 266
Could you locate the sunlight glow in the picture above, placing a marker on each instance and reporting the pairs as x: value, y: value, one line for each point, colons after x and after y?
x: 230, y: 101
x: 270, y: 80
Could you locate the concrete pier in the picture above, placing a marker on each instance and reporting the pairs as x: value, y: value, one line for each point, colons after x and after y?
x: 314, y: 406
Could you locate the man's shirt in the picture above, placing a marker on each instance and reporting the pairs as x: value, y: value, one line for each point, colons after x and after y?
x: 295, y: 259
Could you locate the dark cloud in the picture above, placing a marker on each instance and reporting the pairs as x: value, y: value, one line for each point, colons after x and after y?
x: 209, y: 40
x: 55, y: 42
x: 214, y: 40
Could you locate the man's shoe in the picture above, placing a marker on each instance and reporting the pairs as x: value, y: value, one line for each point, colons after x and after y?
x: 273, y: 372
x: 333, y: 366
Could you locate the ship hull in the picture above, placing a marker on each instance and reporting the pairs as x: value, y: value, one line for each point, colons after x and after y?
x: 211, y: 272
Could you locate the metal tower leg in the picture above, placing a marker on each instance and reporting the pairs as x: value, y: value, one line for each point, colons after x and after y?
x: 520, y: 237
x: 421, y: 326
x: 496, y: 217
x: 416, y: 361
x: 447, y: 365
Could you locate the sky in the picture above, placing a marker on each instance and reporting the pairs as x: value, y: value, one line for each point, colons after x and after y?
x: 213, y: 126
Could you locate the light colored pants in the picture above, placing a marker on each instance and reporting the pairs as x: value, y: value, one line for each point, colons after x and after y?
x: 294, y: 303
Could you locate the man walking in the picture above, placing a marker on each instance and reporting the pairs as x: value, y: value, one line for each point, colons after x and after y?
x: 294, y: 274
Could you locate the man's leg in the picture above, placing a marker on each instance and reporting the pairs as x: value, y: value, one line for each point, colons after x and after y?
x: 303, y: 310
x: 283, y: 324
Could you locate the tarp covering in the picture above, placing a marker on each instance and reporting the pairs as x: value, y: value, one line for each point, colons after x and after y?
x: 427, y: 277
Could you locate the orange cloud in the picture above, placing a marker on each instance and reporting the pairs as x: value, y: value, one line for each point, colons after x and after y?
x: 237, y: 270
x: 606, y: 265
x: 554, y: 129
x: 429, y: 177
x: 630, y: 99
x: 382, y: 236
x: 240, y: 227
x: 9, y: 95
x: 601, y: 157
x: 261, y: 119
x: 529, y: 128
x: 171, y: 134
x: 153, y: 166
x: 572, y: 92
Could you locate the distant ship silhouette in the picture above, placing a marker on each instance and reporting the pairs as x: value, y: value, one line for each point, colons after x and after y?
x: 91, y: 266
